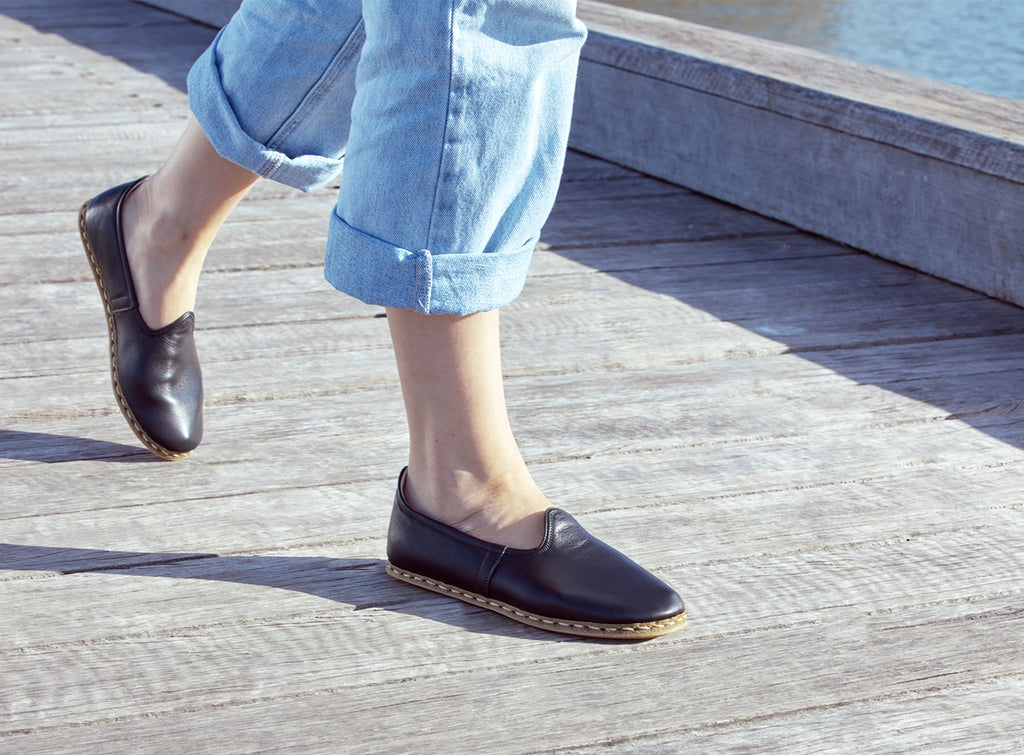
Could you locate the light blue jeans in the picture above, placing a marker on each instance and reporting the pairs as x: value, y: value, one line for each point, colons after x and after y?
x: 452, y: 117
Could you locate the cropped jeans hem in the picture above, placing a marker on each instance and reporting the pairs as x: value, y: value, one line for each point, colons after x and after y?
x: 451, y: 117
x: 212, y: 109
x: 458, y: 284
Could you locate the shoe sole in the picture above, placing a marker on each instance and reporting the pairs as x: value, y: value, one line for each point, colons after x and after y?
x: 639, y: 631
x: 122, y: 404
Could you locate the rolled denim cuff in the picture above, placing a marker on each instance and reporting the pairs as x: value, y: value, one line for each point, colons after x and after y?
x: 210, y: 105
x: 376, y: 272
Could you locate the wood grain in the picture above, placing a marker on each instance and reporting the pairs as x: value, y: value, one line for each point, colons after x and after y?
x: 821, y: 449
x: 923, y: 173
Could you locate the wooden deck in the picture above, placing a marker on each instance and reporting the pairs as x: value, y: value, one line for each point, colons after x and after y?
x: 822, y: 450
x: 926, y: 174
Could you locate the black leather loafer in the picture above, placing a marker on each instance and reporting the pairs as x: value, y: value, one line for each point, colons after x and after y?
x: 156, y: 375
x: 571, y: 582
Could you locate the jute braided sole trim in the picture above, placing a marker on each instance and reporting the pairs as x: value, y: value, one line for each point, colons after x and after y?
x: 122, y: 403
x: 640, y: 631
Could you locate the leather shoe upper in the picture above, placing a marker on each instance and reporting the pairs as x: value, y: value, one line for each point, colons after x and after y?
x: 156, y: 373
x: 160, y: 377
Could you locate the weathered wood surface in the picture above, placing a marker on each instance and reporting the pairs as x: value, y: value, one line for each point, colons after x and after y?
x: 926, y: 174
x: 920, y: 172
x: 822, y: 449
x: 216, y: 13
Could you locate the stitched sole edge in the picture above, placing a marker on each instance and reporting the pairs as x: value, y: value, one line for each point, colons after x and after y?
x: 122, y: 403
x: 640, y: 631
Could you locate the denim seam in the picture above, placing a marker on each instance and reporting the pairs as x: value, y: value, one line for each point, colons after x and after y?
x: 316, y: 92
x: 272, y: 161
x: 447, y: 119
x: 271, y: 165
x: 424, y: 281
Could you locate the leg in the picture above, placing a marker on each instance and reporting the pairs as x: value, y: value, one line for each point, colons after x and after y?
x: 458, y: 137
x: 170, y: 221
x: 274, y: 93
x: 271, y: 97
x: 468, y: 520
x: 465, y: 468
x: 457, y: 142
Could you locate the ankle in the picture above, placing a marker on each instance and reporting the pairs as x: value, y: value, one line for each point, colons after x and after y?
x: 155, y: 228
x: 504, y: 507
x: 165, y: 259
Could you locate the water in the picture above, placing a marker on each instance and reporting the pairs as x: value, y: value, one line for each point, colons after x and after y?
x: 974, y: 43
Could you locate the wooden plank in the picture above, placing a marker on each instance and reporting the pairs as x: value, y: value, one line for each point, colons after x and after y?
x: 978, y: 717
x: 928, y: 554
x: 726, y: 510
x: 212, y: 12
x: 922, y: 173
x: 52, y: 16
x: 274, y: 444
x: 927, y: 117
x: 242, y: 367
x: 391, y: 714
x: 823, y: 450
x: 299, y: 294
x: 880, y: 346
x: 182, y: 590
